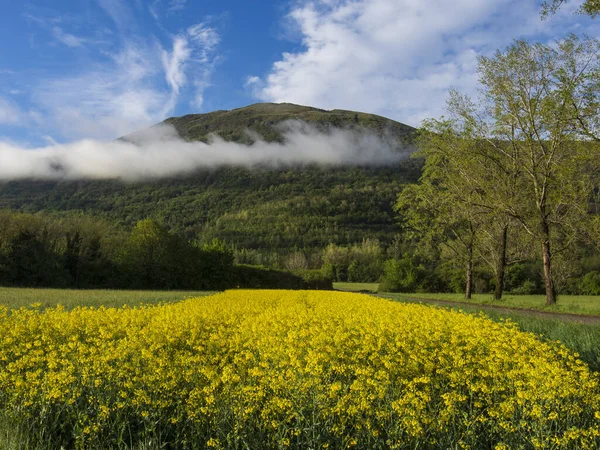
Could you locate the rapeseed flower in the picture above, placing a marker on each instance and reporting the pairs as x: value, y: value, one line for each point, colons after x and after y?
x: 290, y: 369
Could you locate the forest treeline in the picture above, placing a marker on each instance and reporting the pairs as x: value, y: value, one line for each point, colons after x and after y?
x: 78, y: 251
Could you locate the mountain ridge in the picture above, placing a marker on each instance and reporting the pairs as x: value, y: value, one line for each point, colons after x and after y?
x: 263, y: 118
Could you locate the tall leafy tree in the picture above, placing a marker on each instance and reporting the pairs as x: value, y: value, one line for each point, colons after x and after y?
x: 433, y: 214
x: 539, y: 145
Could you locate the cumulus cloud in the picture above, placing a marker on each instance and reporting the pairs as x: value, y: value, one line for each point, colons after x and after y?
x: 398, y: 58
x: 160, y: 152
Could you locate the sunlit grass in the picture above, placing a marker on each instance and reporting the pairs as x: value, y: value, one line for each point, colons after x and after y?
x: 571, y: 304
x: 71, y: 298
x: 356, y: 287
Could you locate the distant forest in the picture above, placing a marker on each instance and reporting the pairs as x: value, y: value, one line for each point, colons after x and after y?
x: 265, y: 212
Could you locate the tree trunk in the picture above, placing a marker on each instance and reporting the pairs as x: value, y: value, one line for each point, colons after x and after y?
x: 501, y: 265
x: 547, y: 260
x: 469, y: 281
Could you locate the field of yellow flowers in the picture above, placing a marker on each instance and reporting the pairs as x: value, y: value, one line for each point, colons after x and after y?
x: 289, y: 369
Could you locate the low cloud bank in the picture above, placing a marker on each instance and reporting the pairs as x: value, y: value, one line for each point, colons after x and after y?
x: 159, y: 152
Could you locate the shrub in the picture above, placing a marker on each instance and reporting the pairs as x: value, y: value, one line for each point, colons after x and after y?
x: 314, y: 279
x: 527, y: 288
x: 260, y: 277
x: 523, y: 279
x: 401, y: 275
x: 590, y: 283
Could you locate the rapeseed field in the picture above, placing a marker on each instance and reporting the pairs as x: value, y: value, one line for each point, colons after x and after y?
x: 289, y: 369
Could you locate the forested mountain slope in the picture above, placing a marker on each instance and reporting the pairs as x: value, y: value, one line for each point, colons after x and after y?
x: 260, y: 208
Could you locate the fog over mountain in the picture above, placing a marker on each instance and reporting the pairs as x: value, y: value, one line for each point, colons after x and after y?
x: 161, y: 151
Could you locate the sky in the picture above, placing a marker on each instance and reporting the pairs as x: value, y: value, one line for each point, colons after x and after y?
x: 99, y: 69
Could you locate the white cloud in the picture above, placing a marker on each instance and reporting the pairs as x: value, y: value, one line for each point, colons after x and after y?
x: 174, y: 66
x: 397, y: 58
x: 118, y: 11
x: 10, y: 114
x: 127, y: 91
x: 67, y: 39
x: 59, y: 34
x: 159, y: 152
x: 108, y: 100
x: 177, y: 5
x: 205, y: 40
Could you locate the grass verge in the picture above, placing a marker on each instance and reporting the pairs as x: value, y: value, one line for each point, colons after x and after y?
x: 569, y: 304
x: 71, y: 298
x: 356, y: 287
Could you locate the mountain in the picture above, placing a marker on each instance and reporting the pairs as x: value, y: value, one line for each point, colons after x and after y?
x: 269, y: 210
x: 263, y: 118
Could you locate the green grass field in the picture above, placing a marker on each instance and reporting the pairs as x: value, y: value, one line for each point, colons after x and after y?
x: 71, y: 298
x: 571, y: 304
x: 356, y: 287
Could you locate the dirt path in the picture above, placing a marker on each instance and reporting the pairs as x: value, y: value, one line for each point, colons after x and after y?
x: 590, y: 320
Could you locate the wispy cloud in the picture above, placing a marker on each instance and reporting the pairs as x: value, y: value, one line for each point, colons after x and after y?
x: 51, y: 24
x: 177, y: 5
x: 67, y: 39
x: 10, y: 113
x: 127, y: 90
x: 174, y: 67
x: 107, y: 100
x: 205, y: 40
x: 119, y: 12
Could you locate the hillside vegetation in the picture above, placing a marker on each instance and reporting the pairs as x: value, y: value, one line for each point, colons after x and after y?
x: 263, y: 118
x: 265, y: 209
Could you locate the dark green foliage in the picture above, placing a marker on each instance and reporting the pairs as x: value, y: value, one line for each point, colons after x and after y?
x: 524, y: 278
x: 402, y: 275
x: 314, y: 279
x: 361, y: 263
x: 590, y: 284
x: 267, y: 210
x: 214, y: 266
x: 43, y: 251
x: 31, y: 262
x: 259, y: 277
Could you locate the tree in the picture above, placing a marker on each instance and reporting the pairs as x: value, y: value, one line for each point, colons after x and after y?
x: 149, y: 255
x: 436, y: 216
x: 531, y: 115
x: 589, y: 7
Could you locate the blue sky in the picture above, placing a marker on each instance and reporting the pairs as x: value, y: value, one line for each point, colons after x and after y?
x: 97, y: 69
